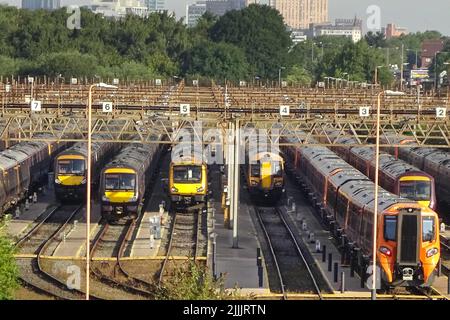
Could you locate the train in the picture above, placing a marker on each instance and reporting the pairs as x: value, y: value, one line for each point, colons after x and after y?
x: 395, y: 175
x: 433, y: 161
x: 24, y: 166
x: 407, y: 243
x: 264, y: 172
x: 124, y: 179
x: 70, y: 167
x: 188, y: 180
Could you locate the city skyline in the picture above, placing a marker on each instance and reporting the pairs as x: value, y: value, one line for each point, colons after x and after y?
x: 401, y: 12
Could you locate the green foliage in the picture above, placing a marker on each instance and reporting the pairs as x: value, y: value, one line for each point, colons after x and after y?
x: 194, y: 282
x: 218, y: 61
x: 261, y: 33
x: 299, y: 76
x: 8, y: 268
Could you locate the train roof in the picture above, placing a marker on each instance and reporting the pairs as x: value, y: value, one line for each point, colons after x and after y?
x: 80, y: 148
x: 133, y: 156
x: 7, y: 163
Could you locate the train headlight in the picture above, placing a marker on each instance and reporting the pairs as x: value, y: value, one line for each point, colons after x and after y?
x: 57, y: 181
x: 200, y: 189
x: 173, y: 189
x: 134, y: 199
x: 253, y: 183
x: 386, y: 251
x: 105, y: 198
x: 431, y: 252
x: 278, y: 184
x: 83, y: 181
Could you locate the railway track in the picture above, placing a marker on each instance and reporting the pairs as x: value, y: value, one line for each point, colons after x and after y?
x: 187, y: 238
x: 109, y: 279
x: 35, y: 244
x: 291, y: 266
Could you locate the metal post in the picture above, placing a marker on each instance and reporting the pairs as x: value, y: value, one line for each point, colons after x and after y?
x: 330, y: 261
x: 214, y: 245
x: 324, y: 253
x: 336, y: 269
x: 230, y: 171
x: 236, y: 184
x: 88, y: 193
x: 401, y: 69
x: 342, y: 282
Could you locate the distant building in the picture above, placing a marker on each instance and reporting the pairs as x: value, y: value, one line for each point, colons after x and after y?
x: 429, y: 49
x: 119, y: 8
x: 351, y: 28
x: 299, y: 14
x: 156, y: 5
x: 262, y: 2
x: 41, y: 4
x: 392, y: 31
x: 194, y: 12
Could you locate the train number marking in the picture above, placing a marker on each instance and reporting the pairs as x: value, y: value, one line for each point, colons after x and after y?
x: 284, y: 110
x: 364, y: 111
x: 158, y: 82
x: 185, y: 108
x: 36, y: 105
x: 107, y: 106
x: 8, y: 88
x: 441, y: 112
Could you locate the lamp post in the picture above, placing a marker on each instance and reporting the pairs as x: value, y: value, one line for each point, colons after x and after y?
x: 279, y: 75
x: 376, y: 74
x: 89, y: 180
x: 375, y: 209
x: 435, y: 67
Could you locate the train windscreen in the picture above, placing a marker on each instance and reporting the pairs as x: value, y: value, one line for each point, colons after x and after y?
x: 120, y: 181
x: 71, y: 167
x: 187, y: 174
x: 416, y: 190
x: 428, y: 229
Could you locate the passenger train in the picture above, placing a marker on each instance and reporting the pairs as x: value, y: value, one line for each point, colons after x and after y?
x: 124, y: 179
x: 264, y: 173
x: 433, y: 161
x: 408, y: 247
x: 395, y: 175
x: 71, y: 167
x: 25, y: 165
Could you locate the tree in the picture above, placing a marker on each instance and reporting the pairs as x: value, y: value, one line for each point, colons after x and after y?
x: 8, y: 269
x: 218, y: 61
x: 69, y: 63
x: 375, y: 39
x: 261, y: 33
x: 298, y: 75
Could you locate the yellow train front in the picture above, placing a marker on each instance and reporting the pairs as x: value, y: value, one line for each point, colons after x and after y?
x: 265, y: 175
x: 188, y: 181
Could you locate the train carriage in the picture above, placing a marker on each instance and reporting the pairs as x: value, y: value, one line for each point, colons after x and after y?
x: 123, y: 181
x: 395, y: 175
x: 408, y: 247
x: 70, y: 167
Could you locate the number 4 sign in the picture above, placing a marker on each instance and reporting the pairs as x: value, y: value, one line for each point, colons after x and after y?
x: 284, y: 110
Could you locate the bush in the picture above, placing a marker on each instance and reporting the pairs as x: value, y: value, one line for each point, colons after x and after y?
x: 8, y: 269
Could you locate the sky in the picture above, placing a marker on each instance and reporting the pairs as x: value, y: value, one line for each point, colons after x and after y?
x: 416, y: 15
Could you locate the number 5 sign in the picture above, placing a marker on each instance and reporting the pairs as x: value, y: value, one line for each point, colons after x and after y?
x: 107, y: 106
x: 185, y: 108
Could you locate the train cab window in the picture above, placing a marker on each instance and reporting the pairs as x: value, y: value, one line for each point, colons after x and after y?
x: 390, y: 228
x: 415, y: 190
x: 187, y: 174
x: 125, y: 181
x: 71, y: 167
x: 277, y: 170
x: 255, y: 170
x: 428, y: 229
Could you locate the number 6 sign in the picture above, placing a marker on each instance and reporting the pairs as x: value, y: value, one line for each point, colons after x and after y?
x: 107, y: 106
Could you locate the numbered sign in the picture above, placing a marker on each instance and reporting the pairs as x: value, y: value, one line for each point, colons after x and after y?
x: 74, y: 81
x: 284, y: 84
x: 36, y: 105
x: 115, y: 81
x: 284, y: 110
x: 185, y: 108
x: 364, y: 111
x: 242, y: 83
x: 441, y: 112
x: 27, y: 98
x: 107, y: 106
x: 158, y: 82
x: 8, y: 88
x: 195, y: 82
x: 30, y: 79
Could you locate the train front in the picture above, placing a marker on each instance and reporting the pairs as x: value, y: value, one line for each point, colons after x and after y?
x: 408, y: 245
x: 70, y: 176
x: 418, y: 186
x: 265, y: 176
x: 119, y: 193
x: 188, y: 182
